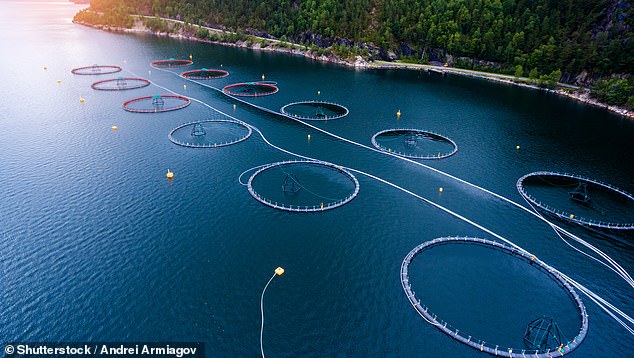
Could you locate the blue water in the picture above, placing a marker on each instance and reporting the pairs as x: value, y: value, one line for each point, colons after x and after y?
x: 96, y: 244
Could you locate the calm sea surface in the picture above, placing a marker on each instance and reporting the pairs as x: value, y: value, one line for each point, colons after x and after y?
x: 97, y: 245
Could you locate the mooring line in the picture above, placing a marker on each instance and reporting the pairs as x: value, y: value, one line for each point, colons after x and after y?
x: 549, y: 223
x: 616, y: 268
x: 262, y: 313
x: 248, y: 171
x: 593, y: 296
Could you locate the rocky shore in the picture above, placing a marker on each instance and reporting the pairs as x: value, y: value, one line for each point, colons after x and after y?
x: 578, y: 94
x: 294, y: 49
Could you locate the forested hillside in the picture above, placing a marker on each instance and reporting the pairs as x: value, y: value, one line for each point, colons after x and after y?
x: 581, y: 38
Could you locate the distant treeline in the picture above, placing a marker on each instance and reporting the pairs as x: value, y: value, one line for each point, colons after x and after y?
x: 114, y: 13
x: 591, y: 38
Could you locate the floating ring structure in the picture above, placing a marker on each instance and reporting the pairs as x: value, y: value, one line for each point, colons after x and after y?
x: 304, y: 208
x: 208, y: 144
x: 120, y: 84
x: 251, y: 89
x: 95, y: 70
x: 473, y: 342
x: 204, y: 74
x: 171, y: 63
x: 314, y: 110
x: 411, y: 135
x: 565, y: 215
x: 152, y: 104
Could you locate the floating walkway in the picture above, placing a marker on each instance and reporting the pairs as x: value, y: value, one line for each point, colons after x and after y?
x: 339, y: 110
x: 428, y: 134
x: 561, y: 214
x: 482, y: 346
x: 603, y: 304
x: 210, y: 145
x: 301, y: 208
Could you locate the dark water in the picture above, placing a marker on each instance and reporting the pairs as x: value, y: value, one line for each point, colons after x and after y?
x: 96, y: 244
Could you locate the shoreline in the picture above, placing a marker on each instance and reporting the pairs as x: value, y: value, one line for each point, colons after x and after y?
x: 578, y: 94
x: 572, y: 92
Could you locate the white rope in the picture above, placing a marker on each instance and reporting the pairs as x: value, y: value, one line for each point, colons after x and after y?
x: 626, y: 276
x: 593, y: 296
x: 247, y: 171
x: 262, y: 313
x: 616, y: 268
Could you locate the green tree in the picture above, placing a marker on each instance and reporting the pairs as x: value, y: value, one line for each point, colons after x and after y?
x: 615, y: 91
x: 544, y: 35
x: 533, y: 73
x: 202, y: 33
x: 551, y: 80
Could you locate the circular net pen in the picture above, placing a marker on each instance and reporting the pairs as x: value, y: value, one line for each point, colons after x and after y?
x: 251, y: 89
x: 204, y: 74
x: 171, y: 63
x: 578, y: 199
x: 120, y: 84
x: 414, y: 143
x: 211, y: 133
x: 542, y: 337
x: 95, y: 70
x: 156, y: 103
x: 314, y: 110
x: 303, y: 186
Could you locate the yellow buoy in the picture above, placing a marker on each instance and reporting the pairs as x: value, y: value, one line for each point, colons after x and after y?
x: 572, y: 216
x: 440, y: 189
x: 532, y: 257
x: 517, y: 147
x: 234, y: 107
x: 221, y: 65
x: 170, y: 174
x: 398, y: 114
x: 81, y: 100
x: 318, y: 93
x: 59, y: 81
x: 279, y: 271
x: 309, y: 137
x: 263, y: 77
x: 184, y: 87
x: 114, y: 128
x: 322, y: 205
x: 190, y: 56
